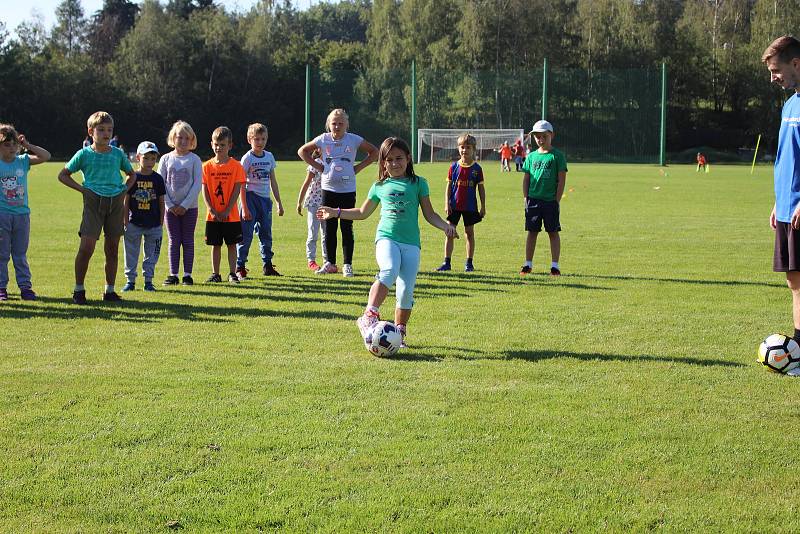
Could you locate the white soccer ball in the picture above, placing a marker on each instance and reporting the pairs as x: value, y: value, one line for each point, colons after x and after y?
x: 384, y: 339
x: 779, y: 353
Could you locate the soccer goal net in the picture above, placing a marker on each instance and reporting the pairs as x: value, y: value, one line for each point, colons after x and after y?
x: 442, y: 144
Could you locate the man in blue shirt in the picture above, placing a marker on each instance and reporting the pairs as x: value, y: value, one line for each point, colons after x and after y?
x: 782, y: 58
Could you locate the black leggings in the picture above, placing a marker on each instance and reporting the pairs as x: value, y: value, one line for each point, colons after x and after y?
x: 344, y: 201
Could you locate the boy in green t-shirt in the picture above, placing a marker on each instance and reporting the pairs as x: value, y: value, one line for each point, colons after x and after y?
x: 545, y: 175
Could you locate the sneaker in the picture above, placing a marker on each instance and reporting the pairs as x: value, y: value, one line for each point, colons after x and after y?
x: 27, y: 294
x: 554, y: 271
x: 186, y: 281
x: 366, y: 322
x: 148, y: 286
x: 443, y: 267
x: 241, y: 272
x: 79, y: 297
x: 347, y: 270
x: 214, y: 279
x: 313, y: 265
x: 328, y: 268
x: 525, y: 270
x: 129, y: 286
x: 171, y: 280
x: 111, y: 296
x: 269, y: 270
x: 3, y: 294
x: 233, y: 278
x: 468, y: 267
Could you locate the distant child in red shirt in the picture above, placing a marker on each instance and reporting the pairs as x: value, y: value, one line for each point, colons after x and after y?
x: 464, y: 185
x: 519, y: 154
x: 505, y: 157
x: 701, y: 162
x: 223, y: 179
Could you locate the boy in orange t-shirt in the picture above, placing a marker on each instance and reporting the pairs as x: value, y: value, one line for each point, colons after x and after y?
x: 223, y: 178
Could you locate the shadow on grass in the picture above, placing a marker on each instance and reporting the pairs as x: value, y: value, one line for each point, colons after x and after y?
x: 150, y: 312
x: 538, y: 355
x: 500, y: 283
x: 423, y: 353
x: 675, y: 280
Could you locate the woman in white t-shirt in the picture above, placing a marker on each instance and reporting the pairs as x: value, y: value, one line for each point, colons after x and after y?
x: 338, y: 169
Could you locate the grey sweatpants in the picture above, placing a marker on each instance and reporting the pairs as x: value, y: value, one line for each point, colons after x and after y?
x: 15, y: 232
x: 152, y: 248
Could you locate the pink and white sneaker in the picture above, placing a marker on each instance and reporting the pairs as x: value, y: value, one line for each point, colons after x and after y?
x: 366, y: 322
x: 402, y: 329
x: 327, y: 268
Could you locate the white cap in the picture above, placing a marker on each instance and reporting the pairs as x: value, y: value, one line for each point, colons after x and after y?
x: 542, y: 126
x: 146, y: 147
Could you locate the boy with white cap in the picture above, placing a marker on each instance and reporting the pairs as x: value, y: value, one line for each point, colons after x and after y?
x: 144, y: 209
x: 542, y: 186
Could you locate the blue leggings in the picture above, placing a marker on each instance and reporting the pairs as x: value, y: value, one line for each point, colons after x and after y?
x: 398, y: 262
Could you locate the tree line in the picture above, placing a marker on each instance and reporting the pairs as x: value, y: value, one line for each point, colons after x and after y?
x: 154, y: 62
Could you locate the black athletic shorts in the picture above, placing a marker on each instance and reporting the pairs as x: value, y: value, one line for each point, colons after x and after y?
x: 787, y: 248
x: 217, y: 232
x: 470, y: 217
x: 541, y: 211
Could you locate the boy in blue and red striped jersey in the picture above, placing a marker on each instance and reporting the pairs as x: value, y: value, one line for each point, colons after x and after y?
x: 464, y: 186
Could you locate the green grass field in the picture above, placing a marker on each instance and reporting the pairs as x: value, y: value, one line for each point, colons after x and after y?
x: 623, y: 396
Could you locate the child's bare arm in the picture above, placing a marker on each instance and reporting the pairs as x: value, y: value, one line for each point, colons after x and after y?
x: 232, y: 203
x: 562, y: 181
x: 162, y: 208
x: 273, y: 185
x: 434, y: 219
x: 126, y: 206
x: 526, y: 183
x: 207, y: 200
x: 246, y: 215
x: 447, y: 208
x: 372, y: 156
x: 351, y: 214
x: 305, y: 152
x: 131, y: 179
x: 482, y: 196
x: 303, y: 191
x: 37, y: 154
x: 65, y: 177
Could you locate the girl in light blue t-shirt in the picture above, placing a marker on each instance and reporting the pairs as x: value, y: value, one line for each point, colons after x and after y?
x: 400, y: 194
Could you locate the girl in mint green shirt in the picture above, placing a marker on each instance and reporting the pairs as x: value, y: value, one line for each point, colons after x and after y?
x: 401, y: 194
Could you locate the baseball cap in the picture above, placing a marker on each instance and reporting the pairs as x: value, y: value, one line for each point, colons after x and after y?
x: 147, y: 146
x: 542, y: 126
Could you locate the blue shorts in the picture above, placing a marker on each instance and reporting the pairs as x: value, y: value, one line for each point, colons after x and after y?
x: 542, y: 211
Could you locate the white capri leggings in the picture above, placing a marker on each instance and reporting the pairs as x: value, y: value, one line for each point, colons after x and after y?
x: 398, y: 262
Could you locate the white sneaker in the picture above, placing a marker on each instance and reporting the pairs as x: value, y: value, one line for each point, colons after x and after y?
x: 347, y: 270
x: 403, y: 338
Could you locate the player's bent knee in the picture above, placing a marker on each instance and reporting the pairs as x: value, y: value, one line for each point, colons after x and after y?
x: 387, y: 277
x: 793, y: 280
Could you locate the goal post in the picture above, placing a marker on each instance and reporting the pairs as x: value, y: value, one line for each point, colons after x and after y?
x: 442, y: 144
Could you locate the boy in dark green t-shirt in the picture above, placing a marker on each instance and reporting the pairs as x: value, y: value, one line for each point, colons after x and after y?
x: 545, y: 175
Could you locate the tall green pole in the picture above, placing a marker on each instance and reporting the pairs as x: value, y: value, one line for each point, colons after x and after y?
x: 663, y: 145
x: 414, y: 110
x: 308, y: 102
x: 544, y: 90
